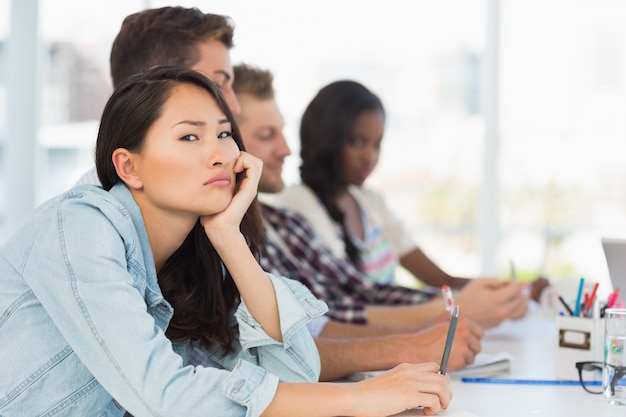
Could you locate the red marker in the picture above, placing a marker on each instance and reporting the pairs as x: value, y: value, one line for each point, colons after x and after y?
x: 589, y: 302
x: 446, y: 292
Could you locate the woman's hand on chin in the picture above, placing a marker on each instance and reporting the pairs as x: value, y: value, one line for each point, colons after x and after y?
x: 227, y: 222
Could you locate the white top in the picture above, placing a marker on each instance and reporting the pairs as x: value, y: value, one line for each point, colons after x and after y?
x: 376, y: 212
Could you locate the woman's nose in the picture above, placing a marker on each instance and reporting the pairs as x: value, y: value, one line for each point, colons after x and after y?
x: 222, y: 153
x: 283, y: 148
x: 370, y: 155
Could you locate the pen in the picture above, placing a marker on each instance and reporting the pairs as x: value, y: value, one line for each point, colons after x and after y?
x: 446, y: 292
x: 449, y: 339
x: 591, y: 298
x: 612, y: 298
x: 528, y: 381
x: 595, y: 314
x: 569, y: 310
x: 579, y: 296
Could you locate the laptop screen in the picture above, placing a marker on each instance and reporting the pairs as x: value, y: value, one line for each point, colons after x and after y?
x: 615, y: 254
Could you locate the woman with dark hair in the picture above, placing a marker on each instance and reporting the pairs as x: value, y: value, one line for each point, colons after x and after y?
x: 341, y: 134
x: 105, y: 291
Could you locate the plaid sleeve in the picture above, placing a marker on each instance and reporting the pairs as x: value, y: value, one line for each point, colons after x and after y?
x: 335, y: 280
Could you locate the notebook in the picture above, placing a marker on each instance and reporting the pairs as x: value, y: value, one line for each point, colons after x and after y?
x: 485, y: 365
x: 615, y: 254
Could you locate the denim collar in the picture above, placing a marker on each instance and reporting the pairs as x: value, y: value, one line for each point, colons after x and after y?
x: 121, y: 192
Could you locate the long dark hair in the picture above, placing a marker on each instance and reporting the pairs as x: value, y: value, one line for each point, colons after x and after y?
x: 326, y: 125
x: 192, y: 279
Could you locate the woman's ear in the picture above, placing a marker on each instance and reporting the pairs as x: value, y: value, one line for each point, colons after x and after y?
x: 124, y: 162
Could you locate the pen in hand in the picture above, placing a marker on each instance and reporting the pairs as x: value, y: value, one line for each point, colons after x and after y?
x: 449, y: 339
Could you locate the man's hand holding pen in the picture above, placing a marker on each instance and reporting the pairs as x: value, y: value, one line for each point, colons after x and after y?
x: 427, y: 344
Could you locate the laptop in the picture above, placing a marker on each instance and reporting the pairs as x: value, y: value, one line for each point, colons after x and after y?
x: 615, y: 254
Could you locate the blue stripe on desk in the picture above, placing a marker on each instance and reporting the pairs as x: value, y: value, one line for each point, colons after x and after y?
x: 528, y: 381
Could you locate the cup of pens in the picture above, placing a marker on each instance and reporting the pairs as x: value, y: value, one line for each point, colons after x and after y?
x: 579, y: 331
x: 614, y: 370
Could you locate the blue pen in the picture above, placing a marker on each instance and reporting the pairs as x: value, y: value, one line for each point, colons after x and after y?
x: 529, y: 381
x: 579, y: 296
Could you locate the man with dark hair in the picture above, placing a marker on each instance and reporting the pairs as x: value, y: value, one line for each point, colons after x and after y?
x: 176, y: 36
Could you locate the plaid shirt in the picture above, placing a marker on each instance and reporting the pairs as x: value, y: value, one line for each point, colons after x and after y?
x: 293, y: 250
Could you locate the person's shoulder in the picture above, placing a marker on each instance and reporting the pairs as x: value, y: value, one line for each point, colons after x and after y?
x: 82, y: 208
x: 279, y: 214
x: 75, y: 196
x: 295, y: 196
x: 87, y: 192
x: 115, y: 204
x: 107, y: 214
x: 295, y: 191
x: 368, y: 195
x: 89, y: 177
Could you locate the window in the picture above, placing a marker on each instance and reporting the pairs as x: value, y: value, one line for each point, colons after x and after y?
x: 562, y: 100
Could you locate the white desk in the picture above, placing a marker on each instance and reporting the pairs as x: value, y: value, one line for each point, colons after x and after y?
x: 531, y: 342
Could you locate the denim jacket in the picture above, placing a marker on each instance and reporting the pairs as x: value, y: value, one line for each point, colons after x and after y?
x: 82, y: 323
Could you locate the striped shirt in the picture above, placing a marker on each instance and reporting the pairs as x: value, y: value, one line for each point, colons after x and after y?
x: 378, y: 258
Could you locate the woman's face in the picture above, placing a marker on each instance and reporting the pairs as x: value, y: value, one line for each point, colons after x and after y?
x: 186, y: 163
x: 362, y: 150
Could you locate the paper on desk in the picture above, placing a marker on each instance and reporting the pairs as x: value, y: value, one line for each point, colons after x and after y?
x: 485, y: 365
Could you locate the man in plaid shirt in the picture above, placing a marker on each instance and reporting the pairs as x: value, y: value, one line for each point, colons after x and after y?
x: 336, y: 281
x: 293, y: 249
x: 357, y: 307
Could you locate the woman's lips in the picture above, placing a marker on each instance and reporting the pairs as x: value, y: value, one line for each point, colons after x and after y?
x: 219, y: 180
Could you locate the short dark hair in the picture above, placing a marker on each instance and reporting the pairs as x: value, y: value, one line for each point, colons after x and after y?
x: 165, y: 36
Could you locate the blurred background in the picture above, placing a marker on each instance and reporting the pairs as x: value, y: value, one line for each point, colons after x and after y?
x: 506, y: 128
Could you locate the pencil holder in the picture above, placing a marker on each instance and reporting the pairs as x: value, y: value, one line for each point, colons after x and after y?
x: 578, y: 339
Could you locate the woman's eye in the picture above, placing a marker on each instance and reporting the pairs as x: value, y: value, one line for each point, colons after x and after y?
x: 190, y: 138
x: 356, y: 142
x: 224, y: 135
x: 267, y: 135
